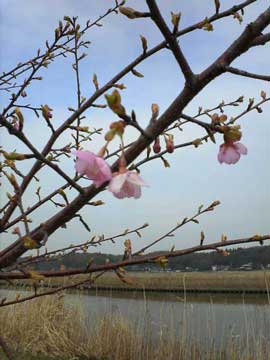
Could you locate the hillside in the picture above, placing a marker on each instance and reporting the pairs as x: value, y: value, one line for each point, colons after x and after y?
x: 258, y: 256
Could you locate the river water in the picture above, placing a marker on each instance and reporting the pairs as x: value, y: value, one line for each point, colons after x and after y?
x: 200, y: 317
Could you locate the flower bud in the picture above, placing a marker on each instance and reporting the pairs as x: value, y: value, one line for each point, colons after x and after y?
x: 157, y: 147
x: 46, y: 112
x: 128, y: 12
x: 16, y: 231
x: 114, y: 102
x: 175, y: 18
x: 169, y: 143
x: 144, y: 43
x: 223, y: 118
x: 197, y: 142
x: 155, y: 110
x: 13, y: 156
x: 20, y: 117
x: 207, y: 26
x: 118, y: 127
x: 131, y: 13
x: 263, y: 94
x: 215, y: 118
x: 109, y: 135
x: 83, y: 128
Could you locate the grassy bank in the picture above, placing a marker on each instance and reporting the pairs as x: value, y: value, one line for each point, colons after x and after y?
x: 227, y: 280
x: 46, y: 328
x: 192, y: 280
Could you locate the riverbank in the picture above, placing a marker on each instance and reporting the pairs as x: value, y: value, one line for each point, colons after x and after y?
x: 238, y: 282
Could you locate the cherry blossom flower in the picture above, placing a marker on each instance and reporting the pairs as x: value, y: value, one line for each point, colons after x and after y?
x: 230, y: 152
x: 93, y: 166
x: 126, y: 184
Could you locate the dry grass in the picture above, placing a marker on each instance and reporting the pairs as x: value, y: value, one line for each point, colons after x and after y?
x: 239, y: 280
x: 227, y: 280
x: 47, y: 327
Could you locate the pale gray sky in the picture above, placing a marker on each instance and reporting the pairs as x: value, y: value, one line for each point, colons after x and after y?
x: 195, y: 177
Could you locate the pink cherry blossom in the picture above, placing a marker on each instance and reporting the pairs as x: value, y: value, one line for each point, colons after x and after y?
x: 126, y: 184
x: 230, y: 152
x: 93, y: 166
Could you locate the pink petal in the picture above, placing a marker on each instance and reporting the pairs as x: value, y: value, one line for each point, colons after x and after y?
x: 137, y: 192
x: 117, y: 182
x: 127, y: 184
x: 231, y: 155
x: 129, y: 189
x: 93, y: 166
x: 85, y: 159
x: 120, y: 195
x: 241, y: 148
x: 221, y: 153
x: 135, y: 179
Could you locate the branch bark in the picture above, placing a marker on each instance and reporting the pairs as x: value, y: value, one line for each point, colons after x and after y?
x: 236, y: 71
x: 171, y: 39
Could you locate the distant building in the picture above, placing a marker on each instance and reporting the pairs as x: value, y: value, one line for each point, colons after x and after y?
x: 220, y: 268
x: 246, y: 267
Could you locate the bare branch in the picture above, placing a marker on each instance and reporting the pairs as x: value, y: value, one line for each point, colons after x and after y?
x: 139, y: 259
x: 246, y: 73
x: 171, y: 40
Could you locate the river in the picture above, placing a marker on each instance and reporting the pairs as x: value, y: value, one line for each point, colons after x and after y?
x: 201, y: 317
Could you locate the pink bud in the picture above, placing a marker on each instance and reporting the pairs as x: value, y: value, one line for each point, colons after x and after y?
x: 157, y: 147
x: 169, y: 143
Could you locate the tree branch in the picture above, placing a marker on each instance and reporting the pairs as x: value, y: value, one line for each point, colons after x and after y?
x: 171, y: 39
x: 246, y: 73
x: 137, y: 260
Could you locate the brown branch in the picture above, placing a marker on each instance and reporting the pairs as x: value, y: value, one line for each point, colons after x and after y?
x: 87, y: 27
x: 50, y: 292
x: 246, y: 73
x: 261, y: 40
x: 178, y: 226
x: 92, y: 242
x: 137, y: 260
x: 38, y: 204
x: 171, y: 40
x: 39, y: 155
x: 78, y: 85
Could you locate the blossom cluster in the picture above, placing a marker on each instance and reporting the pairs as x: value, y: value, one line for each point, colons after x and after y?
x: 122, y: 184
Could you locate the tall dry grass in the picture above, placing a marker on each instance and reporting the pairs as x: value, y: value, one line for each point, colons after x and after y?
x: 49, y: 327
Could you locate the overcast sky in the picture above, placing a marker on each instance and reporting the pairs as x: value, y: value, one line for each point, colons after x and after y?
x: 195, y: 176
